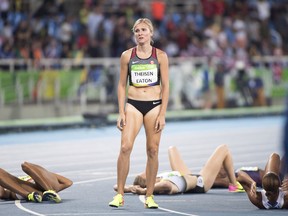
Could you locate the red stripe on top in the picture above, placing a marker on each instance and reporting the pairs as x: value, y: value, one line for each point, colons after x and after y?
x: 153, y: 55
x: 133, y: 53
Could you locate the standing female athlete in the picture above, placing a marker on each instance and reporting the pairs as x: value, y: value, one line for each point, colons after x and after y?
x: 146, y: 69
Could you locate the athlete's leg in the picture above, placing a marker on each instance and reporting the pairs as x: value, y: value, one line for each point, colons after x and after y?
x: 273, y: 164
x: 152, y: 148
x: 3, y: 195
x: 220, y: 157
x: 6, y: 194
x: 162, y: 187
x: 127, y: 188
x: 45, y: 179
x: 17, y: 185
x: 165, y: 187
x: 176, y: 161
x: 222, y: 180
x: 261, y: 173
x: 177, y: 164
x: 134, y: 120
x: 283, y: 167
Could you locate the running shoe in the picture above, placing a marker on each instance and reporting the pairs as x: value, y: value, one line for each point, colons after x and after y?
x: 51, y: 195
x: 117, y: 201
x: 238, y: 188
x: 150, y: 203
x: 34, y: 197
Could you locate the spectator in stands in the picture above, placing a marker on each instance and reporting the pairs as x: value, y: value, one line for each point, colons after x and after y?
x: 94, y: 18
x: 23, y: 33
x: 7, y: 51
x: 206, y: 89
x: 195, y: 19
x: 219, y: 85
x: 4, y: 9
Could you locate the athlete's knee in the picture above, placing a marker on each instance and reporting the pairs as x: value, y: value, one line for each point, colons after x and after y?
x: 275, y: 156
x: 224, y: 148
x: 68, y: 183
x: 172, y: 148
x: 25, y: 166
x: 152, y: 152
x: 63, y: 185
x: 126, y: 149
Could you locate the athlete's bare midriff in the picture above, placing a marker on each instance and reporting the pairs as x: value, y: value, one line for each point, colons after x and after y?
x: 144, y: 93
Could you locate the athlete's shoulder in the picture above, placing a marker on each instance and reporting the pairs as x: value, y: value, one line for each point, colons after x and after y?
x: 127, y: 52
x: 161, y: 56
x: 126, y: 55
x: 160, y: 51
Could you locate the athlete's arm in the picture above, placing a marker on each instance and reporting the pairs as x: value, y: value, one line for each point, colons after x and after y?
x: 249, y: 186
x: 5, y: 194
x: 165, y: 187
x: 164, y: 69
x: 124, y: 60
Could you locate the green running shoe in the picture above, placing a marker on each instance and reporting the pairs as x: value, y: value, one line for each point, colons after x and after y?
x: 34, y: 197
x: 51, y: 195
x: 117, y: 201
x: 150, y: 203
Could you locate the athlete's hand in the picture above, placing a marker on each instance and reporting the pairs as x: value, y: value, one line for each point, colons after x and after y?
x: 136, y: 189
x: 121, y: 122
x: 160, y: 123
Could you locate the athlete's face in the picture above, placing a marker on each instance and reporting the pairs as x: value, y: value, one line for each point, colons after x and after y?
x: 142, y: 33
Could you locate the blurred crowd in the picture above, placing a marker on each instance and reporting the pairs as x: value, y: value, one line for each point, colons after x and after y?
x: 229, y: 29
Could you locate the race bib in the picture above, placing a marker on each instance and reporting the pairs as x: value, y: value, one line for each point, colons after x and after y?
x: 144, y: 74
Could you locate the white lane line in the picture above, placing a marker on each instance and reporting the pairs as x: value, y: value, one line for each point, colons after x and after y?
x: 99, y: 213
x: 142, y: 199
x: 18, y: 204
x: 94, y: 180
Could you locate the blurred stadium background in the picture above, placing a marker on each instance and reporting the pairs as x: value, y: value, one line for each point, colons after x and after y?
x: 59, y: 59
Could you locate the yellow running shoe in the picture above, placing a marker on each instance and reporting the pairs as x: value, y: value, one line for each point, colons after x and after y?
x: 34, y: 197
x: 117, y: 201
x: 51, y: 195
x: 238, y: 188
x: 150, y: 203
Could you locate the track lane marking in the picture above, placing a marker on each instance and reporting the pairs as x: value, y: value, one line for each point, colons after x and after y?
x: 18, y: 204
x: 142, y: 199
